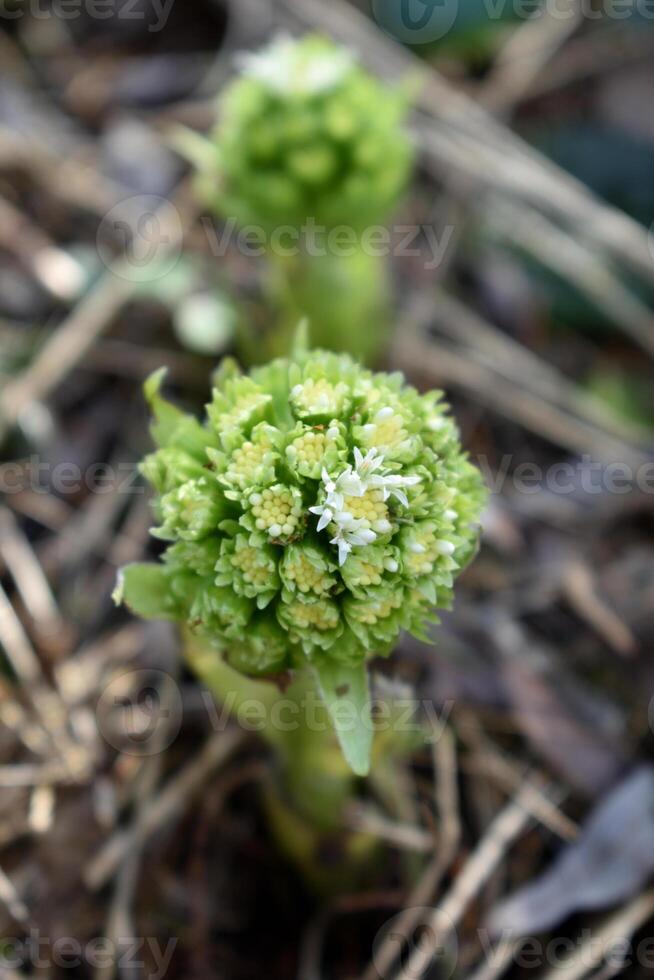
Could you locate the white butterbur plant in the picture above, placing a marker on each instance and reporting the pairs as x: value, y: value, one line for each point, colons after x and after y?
x: 310, y: 144
x: 318, y: 510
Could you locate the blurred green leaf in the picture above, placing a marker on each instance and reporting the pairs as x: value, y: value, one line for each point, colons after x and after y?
x: 628, y: 396
x: 145, y: 588
x: 344, y: 688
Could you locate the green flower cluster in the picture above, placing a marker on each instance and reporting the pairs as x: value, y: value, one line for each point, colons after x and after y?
x: 306, y: 132
x: 319, y: 509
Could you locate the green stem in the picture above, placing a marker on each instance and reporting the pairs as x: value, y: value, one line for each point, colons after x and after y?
x: 345, y: 298
x: 315, y: 777
x: 306, y: 807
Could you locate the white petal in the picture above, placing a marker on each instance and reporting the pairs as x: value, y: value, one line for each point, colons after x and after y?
x: 335, y: 501
x: 368, y: 536
x: 395, y: 480
x: 330, y: 486
x: 325, y: 519
x: 351, y: 485
x: 373, y: 460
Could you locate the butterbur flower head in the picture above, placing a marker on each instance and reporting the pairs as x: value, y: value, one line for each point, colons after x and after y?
x: 316, y: 511
x: 306, y: 132
x: 294, y: 69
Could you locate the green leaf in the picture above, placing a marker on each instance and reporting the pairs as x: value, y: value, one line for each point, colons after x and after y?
x: 171, y: 426
x: 145, y: 588
x: 345, y: 691
x: 228, y: 370
x: 300, y: 343
x: 196, y: 149
x: 167, y: 417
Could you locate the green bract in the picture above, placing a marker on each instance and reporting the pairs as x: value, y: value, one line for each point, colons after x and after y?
x: 306, y: 133
x: 317, y: 511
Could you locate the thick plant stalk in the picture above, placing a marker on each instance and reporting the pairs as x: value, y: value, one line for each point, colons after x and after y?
x: 345, y: 298
x: 306, y: 805
x: 293, y: 720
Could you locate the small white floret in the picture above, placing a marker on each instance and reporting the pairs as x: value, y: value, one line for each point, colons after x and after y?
x: 383, y: 414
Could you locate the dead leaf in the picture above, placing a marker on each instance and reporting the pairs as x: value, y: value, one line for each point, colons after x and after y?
x: 611, y: 860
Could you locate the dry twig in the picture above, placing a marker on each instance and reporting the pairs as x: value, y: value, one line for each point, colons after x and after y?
x: 483, y: 382
x: 91, y: 317
x: 12, y: 900
x: 607, y: 941
x: 502, y: 833
x: 494, y: 764
x: 465, y: 326
x: 459, y: 134
x: 447, y: 802
x: 165, y: 807
x: 28, y: 575
x: 579, y: 586
x: 521, y: 60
